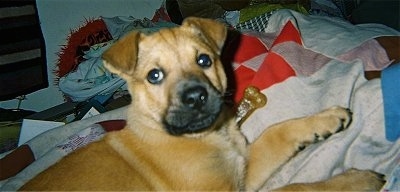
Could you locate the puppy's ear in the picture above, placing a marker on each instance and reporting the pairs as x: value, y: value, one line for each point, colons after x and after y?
x: 121, y: 57
x: 211, y: 31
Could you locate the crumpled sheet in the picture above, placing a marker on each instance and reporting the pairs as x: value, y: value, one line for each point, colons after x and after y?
x: 91, y: 78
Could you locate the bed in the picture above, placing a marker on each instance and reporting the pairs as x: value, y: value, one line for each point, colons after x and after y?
x: 302, y: 63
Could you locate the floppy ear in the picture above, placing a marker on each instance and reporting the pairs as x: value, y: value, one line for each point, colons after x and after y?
x: 211, y: 31
x: 121, y: 57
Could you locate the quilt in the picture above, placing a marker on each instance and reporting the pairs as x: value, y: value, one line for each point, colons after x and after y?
x: 308, y: 67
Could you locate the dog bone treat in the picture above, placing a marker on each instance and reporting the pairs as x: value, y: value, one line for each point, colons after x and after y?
x: 252, y: 100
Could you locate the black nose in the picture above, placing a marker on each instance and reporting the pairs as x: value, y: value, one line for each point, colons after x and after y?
x: 195, y: 97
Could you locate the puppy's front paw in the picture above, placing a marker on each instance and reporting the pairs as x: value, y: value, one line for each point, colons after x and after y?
x: 331, y: 121
x: 324, y: 124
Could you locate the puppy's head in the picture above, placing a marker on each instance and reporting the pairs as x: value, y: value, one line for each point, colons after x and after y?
x: 175, y: 76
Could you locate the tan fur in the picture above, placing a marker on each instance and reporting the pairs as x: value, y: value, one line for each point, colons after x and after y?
x: 143, y: 156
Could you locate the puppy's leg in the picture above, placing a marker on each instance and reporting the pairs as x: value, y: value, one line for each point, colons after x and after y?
x: 351, y: 180
x: 280, y: 142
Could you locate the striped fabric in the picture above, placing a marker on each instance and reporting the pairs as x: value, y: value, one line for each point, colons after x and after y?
x: 23, y: 66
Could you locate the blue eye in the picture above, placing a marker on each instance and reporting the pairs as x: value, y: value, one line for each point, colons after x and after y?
x: 204, y: 60
x: 155, y: 76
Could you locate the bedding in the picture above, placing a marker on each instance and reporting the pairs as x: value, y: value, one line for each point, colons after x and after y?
x: 88, y: 78
x: 303, y: 64
x: 328, y: 79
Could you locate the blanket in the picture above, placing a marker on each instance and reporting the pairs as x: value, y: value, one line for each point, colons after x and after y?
x: 90, y: 78
x: 303, y: 64
x: 310, y: 85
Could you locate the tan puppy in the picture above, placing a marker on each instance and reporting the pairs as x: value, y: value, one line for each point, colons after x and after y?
x: 179, y: 133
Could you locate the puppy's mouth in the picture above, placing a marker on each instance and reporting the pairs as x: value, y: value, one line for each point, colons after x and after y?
x: 187, y: 122
x: 195, y: 111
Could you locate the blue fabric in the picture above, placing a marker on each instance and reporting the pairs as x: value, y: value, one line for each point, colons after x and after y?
x: 391, y: 101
